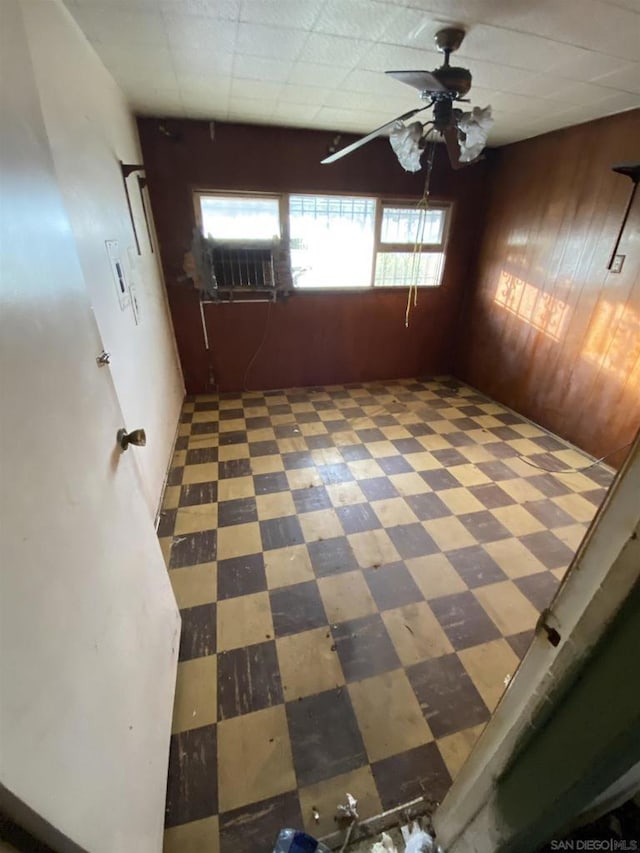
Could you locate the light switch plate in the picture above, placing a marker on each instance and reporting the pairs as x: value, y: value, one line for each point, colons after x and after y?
x: 617, y: 262
x: 117, y: 268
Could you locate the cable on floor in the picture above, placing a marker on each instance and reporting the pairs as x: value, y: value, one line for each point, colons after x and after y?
x: 347, y: 837
x: 259, y: 348
x: 575, y: 470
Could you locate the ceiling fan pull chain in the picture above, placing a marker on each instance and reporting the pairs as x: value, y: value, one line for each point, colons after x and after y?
x: 423, y: 206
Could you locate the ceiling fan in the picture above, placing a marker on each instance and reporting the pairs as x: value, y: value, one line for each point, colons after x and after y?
x: 464, y: 133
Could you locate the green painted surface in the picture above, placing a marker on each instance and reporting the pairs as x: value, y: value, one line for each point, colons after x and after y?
x: 592, y: 737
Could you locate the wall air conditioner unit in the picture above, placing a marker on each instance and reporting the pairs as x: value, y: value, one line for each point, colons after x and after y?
x: 243, y: 266
x: 248, y: 270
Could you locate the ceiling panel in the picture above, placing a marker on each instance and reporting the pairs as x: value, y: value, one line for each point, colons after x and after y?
x: 320, y: 63
x: 259, y: 68
x: 316, y: 74
x: 514, y: 49
x: 590, y: 24
x: 302, y: 113
x: 221, y: 9
x: 271, y: 42
x: 353, y: 19
x: 333, y: 50
x: 626, y: 79
x: 191, y: 32
x: 264, y: 89
x: 290, y: 14
x: 297, y: 94
x: 200, y: 62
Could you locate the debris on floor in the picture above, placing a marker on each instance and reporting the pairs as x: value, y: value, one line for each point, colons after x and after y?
x: 416, y: 840
x: 385, y: 845
x: 419, y: 841
x: 347, y: 816
x: 413, y: 833
x: 259, y: 602
x: 294, y: 841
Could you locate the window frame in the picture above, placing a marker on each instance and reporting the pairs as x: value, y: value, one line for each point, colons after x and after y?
x: 338, y: 288
x: 197, y: 195
x: 380, y: 201
x: 408, y: 248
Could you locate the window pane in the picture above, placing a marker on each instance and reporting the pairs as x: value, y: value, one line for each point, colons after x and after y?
x: 400, y: 269
x: 412, y: 224
x: 237, y: 218
x: 331, y: 240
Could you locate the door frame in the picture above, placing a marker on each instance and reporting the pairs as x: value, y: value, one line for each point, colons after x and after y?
x: 599, y: 580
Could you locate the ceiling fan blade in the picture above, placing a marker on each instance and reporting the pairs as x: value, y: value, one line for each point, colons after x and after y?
x: 450, y: 135
x: 355, y: 145
x: 423, y: 81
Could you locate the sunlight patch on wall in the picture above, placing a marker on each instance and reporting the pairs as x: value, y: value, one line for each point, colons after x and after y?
x: 613, y: 341
x: 541, y: 310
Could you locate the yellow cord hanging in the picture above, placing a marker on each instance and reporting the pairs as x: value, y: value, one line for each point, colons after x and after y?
x: 422, y: 206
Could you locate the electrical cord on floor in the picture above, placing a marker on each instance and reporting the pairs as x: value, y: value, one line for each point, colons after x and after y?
x: 347, y: 837
x: 574, y: 470
x: 259, y: 348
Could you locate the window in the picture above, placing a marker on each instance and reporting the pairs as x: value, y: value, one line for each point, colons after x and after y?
x: 411, y: 246
x: 337, y: 241
x: 226, y: 217
x: 246, y: 253
x: 401, y: 269
x: 412, y: 225
x: 331, y: 240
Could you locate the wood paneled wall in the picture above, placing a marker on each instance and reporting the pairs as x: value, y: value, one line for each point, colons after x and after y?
x: 315, y: 337
x: 547, y: 329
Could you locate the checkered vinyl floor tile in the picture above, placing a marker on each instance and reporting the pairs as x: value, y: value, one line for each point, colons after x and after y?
x: 358, y: 569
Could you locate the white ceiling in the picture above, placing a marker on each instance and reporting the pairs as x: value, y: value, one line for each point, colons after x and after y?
x: 541, y: 64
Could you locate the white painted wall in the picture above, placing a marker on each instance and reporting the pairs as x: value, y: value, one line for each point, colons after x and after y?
x: 89, y: 627
x: 90, y: 129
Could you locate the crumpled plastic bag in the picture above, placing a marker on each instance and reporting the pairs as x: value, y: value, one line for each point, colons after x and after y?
x: 404, y: 140
x: 385, y: 845
x: 349, y: 809
x: 420, y: 842
x: 476, y: 126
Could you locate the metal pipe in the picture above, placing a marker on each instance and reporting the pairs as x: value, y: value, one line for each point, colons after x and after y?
x: 204, y: 326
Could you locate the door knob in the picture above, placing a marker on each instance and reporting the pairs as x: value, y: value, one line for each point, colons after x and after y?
x: 138, y: 437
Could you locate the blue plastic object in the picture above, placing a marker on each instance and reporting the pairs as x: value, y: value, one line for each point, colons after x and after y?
x: 294, y: 841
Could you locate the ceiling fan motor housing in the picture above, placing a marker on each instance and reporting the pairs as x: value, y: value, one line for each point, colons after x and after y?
x: 442, y: 114
x: 457, y: 80
x: 449, y: 39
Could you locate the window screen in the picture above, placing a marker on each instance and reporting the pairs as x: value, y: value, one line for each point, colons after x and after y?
x: 412, y: 225
x: 332, y: 239
x: 402, y: 269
